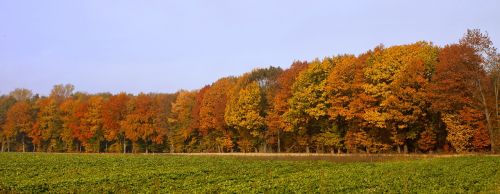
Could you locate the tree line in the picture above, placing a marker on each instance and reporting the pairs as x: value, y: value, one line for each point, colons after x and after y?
x: 408, y: 98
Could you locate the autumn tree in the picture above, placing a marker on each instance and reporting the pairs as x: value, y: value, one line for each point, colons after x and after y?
x: 244, y: 114
x: 343, y: 88
x: 406, y: 97
x: 267, y: 79
x: 328, y: 139
x: 395, y: 78
x: 489, y: 63
x: 72, y: 112
x: 48, y: 127
x: 60, y: 92
x: 457, y: 95
x: 67, y: 118
x: 145, y: 121
x: 427, y: 140
x: 21, y: 94
x: 5, y: 103
x: 113, y: 114
x: 163, y: 108
x: 307, y: 114
x: 212, y: 124
x: 181, y: 120
x: 158, y: 115
x: 279, y: 104
x: 92, y: 122
x: 49, y: 123
x: 194, y: 140
x: 19, y: 122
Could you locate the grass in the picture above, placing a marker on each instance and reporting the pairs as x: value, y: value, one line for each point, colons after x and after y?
x: 98, y: 173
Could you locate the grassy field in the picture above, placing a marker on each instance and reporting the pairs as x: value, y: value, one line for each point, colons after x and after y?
x: 97, y: 173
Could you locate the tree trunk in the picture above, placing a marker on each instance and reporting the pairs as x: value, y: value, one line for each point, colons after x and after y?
x: 8, y: 144
x: 487, y: 115
x: 399, y: 149
x: 24, y: 150
x: 338, y: 151
x: 124, y: 145
x: 405, y: 149
x: 496, y: 90
x: 495, y: 85
x: 279, y: 142
x: 307, y: 149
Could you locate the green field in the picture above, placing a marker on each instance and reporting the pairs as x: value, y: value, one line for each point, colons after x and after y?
x: 97, y: 173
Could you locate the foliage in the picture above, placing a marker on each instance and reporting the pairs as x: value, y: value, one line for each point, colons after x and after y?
x: 417, y: 97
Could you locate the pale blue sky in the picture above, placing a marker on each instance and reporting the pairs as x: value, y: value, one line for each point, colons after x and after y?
x: 163, y: 46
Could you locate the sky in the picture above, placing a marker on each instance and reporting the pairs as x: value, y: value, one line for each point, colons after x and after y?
x: 163, y: 46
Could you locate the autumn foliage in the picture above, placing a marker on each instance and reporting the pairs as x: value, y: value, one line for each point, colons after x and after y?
x: 418, y: 97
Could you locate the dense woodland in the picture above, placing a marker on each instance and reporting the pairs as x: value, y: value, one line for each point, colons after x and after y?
x: 409, y: 98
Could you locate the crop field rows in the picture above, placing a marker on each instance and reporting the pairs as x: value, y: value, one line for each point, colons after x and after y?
x: 98, y: 173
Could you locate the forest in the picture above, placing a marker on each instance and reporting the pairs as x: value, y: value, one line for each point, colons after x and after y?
x: 412, y: 98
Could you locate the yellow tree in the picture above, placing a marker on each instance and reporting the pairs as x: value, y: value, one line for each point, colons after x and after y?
x: 69, y: 122
x: 181, y: 120
x: 307, y: 114
x: 48, y: 124
x: 93, y: 124
x: 244, y: 115
x: 395, y: 77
